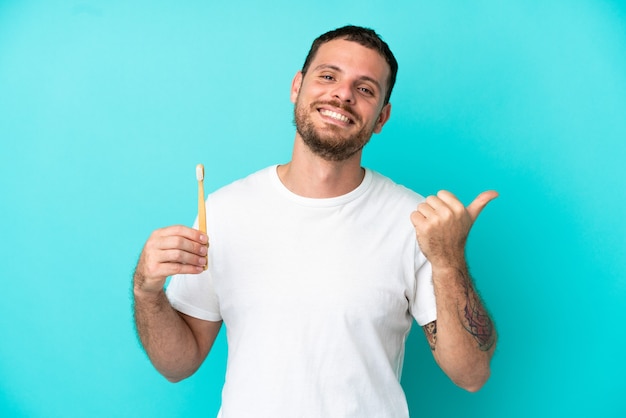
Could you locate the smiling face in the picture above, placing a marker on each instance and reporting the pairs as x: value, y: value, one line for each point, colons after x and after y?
x: 339, y: 101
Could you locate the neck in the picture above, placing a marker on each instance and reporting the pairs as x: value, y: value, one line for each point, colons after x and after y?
x: 309, y: 175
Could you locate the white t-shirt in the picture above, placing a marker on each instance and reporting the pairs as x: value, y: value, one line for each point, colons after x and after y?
x: 317, y: 296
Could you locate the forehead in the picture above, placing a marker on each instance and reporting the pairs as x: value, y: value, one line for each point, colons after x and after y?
x: 352, y: 58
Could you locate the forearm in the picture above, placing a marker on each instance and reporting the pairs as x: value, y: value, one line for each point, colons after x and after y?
x: 466, y: 335
x: 166, y: 337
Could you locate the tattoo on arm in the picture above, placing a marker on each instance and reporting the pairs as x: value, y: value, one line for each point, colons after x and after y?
x: 430, y: 330
x: 477, y: 321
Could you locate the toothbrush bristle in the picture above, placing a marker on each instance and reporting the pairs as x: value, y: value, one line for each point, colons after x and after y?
x: 200, y: 172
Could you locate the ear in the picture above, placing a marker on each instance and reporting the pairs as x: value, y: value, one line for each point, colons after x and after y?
x: 383, y: 117
x: 295, y: 86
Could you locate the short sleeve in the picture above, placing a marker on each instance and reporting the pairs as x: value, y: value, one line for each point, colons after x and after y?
x: 194, y: 295
x: 423, y: 306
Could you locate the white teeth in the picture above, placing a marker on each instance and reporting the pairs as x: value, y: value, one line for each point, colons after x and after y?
x: 335, y: 115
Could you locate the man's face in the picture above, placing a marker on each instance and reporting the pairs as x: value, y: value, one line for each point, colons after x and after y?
x: 339, y: 102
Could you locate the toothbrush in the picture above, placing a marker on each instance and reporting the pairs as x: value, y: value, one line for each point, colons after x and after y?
x: 201, y: 207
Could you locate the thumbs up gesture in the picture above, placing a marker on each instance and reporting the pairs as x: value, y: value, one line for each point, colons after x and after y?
x: 442, y: 224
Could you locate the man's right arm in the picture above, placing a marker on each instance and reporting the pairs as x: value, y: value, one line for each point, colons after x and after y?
x: 176, y: 343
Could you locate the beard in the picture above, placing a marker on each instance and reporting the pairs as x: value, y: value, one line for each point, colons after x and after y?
x: 330, y: 143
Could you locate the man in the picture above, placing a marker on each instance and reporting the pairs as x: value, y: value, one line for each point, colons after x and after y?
x: 318, y: 267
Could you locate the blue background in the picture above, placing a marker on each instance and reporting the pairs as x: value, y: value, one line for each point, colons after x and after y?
x: 107, y: 106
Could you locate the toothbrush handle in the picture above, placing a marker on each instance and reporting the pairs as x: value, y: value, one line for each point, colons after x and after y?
x: 201, y: 208
x: 201, y: 212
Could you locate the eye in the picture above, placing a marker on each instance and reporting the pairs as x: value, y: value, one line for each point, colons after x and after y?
x: 327, y: 77
x: 367, y: 91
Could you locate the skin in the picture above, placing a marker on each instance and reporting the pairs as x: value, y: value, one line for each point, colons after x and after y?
x: 463, y: 337
x: 348, y: 79
x: 176, y: 343
x: 336, y: 75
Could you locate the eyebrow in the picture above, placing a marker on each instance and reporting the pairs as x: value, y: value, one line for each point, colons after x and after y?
x: 363, y: 77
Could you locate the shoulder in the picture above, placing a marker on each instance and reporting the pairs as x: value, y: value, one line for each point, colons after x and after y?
x: 246, y: 187
x: 387, y: 189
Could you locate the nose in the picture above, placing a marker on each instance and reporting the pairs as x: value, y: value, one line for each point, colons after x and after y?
x: 344, y: 92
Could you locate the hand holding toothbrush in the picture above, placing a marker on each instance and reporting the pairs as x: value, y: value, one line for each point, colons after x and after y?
x: 174, y: 250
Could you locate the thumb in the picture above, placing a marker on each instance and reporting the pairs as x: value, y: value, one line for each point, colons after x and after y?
x: 480, y: 202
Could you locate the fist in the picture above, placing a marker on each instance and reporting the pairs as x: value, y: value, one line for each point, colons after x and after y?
x: 168, y: 251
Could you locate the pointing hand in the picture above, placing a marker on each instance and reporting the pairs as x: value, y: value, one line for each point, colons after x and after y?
x: 442, y: 224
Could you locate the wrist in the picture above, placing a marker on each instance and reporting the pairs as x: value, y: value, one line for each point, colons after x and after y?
x: 147, y: 289
x: 450, y: 274
x: 447, y: 264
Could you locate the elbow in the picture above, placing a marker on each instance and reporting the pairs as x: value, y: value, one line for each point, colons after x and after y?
x: 471, y: 374
x: 474, y: 387
x: 475, y: 382
x: 176, y: 376
x: 174, y: 379
x: 177, y: 371
x: 468, y: 375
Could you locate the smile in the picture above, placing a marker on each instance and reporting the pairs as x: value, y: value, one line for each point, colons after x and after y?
x: 335, y: 115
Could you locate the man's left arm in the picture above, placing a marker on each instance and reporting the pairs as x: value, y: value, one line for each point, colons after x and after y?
x: 463, y: 337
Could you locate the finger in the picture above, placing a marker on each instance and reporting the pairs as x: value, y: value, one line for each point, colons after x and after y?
x: 180, y: 257
x: 157, y: 265
x: 182, y: 244
x: 480, y: 202
x: 426, y: 209
x: 171, y: 269
x: 184, y: 231
x: 450, y: 200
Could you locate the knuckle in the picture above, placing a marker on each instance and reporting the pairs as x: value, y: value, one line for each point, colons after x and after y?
x: 433, y: 226
x: 176, y: 268
x: 178, y: 256
x: 178, y: 241
x: 446, y: 215
x: 153, y: 236
x: 148, y: 271
x: 178, y: 229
